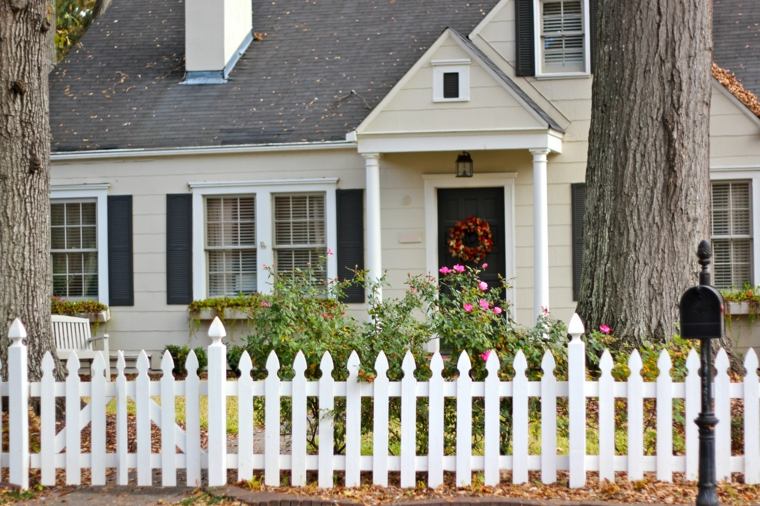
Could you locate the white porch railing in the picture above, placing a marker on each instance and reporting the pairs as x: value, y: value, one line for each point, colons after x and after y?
x: 62, y: 450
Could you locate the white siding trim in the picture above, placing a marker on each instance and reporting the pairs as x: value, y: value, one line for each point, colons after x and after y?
x: 458, y: 141
x: 754, y: 177
x: 504, y: 180
x: 99, y: 192
x: 264, y: 191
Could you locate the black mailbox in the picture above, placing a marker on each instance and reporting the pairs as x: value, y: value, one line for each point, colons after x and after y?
x: 702, y: 313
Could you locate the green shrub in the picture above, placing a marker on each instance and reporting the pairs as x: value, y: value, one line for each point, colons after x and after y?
x: 179, y: 356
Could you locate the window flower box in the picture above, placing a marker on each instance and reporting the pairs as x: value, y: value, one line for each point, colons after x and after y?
x: 208, y: 314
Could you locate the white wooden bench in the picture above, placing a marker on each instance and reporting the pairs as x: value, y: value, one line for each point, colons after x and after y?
x: 73, y: 334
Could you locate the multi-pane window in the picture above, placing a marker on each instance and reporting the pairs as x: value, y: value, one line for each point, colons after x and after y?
x: 562, y: 36
x: 299, y: 232
x: 732, y: 233
x: 74, y: 248
x: 231, y: 245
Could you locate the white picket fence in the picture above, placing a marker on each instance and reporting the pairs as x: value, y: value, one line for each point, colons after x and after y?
x: 62, y: 450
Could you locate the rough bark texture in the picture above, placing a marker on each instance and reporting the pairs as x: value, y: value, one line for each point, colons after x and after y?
x: 24, y: 159
x: 647, y: 181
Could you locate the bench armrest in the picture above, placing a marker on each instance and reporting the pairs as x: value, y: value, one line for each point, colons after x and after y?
x: 99, y: 338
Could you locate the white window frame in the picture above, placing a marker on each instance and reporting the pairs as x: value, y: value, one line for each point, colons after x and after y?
x: 264, y: 191
x: 99, y: 193
x: 751, y: 174
x: 539, y: 47
x: 461, y: 67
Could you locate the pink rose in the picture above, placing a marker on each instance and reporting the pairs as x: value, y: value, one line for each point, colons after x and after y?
x: 459, y: 268
x: 497, y: 310
x: 484, y: 356
x: 265, y: 303
x: 605, y: 329
x: 485, y: 266
x: 467, y: 307
x: 444, y: 270
x: 483, y: 286
x: 329, y: 252
x: 483, y: 303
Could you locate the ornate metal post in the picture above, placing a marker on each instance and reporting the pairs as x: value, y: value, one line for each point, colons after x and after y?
x: 702, y: 318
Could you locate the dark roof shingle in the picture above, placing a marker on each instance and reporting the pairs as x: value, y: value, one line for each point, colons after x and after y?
x: 321, y: 67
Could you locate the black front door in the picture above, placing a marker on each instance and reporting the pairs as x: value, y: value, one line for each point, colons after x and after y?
x: 459, y: 204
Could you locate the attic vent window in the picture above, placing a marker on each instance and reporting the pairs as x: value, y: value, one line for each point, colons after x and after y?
x: 451, y: 80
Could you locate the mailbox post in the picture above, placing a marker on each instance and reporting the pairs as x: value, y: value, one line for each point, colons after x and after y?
x: 702, y: 318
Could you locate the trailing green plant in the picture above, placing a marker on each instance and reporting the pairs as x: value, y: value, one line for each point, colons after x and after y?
x: 75, y: 307
x: 179, y: 356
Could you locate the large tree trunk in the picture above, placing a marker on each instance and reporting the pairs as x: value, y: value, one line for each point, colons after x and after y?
x: 24, y: 159
x: 647, y: 180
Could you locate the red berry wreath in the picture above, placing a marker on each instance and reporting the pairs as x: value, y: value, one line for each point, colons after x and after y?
x: 472, y: 226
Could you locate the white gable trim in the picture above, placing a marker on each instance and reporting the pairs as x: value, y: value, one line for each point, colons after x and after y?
x: 409, y: 142
x: 488, y: 18
x: 743, y: 108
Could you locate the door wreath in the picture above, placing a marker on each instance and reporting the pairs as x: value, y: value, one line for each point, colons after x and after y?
x: 471, y: 240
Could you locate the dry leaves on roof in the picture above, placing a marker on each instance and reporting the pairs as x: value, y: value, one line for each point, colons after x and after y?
x: 735, y: 87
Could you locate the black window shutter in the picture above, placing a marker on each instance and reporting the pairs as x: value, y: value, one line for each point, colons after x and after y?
x: 578, y: 204
x: 120, y: 274
x: 593, y: 32
x: 179, y: 248
x: 526, y: 63
x: 350, y: 204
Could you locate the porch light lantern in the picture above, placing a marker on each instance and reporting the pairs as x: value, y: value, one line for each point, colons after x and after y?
x: 464, y: 165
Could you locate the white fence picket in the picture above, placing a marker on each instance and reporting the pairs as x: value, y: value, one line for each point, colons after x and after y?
x: 98, y: 420
x: 751, y: 420
x: 492, y: 413
x: 192, y: 422
x: 408, y: 421
x: 380, y: 422
x: 635, y: 418
x: 576, y: 372
x: 435, y: 422
x: 217, y: 405
x: 548, y: 420
x: 723, y: 413
x: 18, y: 405
x: 353, y: 422
x: 692, y: 404
x: 298, y: 421
x: 47, y: 421
x: 73, y: 433
x: 122, y: 464
x: 520, y: 434
x: 168, y: 443
x: 272, y: 422
x: 326, y: 427
x: 245, y: 418
x: 142, y: 408
x: 606, y: 419
x: 664, y: 419
x: 464, y: 422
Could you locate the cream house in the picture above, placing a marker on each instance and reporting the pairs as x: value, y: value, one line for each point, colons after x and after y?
x: 197, y: 143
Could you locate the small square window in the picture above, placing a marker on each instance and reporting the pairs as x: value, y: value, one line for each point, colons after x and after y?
x: 451, y: 85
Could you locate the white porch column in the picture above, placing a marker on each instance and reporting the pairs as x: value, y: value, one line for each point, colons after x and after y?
x: 372, y: 223
x: 540, y: 232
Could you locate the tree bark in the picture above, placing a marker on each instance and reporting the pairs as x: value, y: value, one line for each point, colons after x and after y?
x: 647, y: 178
x: 25, y: 279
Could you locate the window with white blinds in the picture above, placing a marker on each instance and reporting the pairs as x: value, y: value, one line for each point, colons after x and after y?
x: 74, y: 248
x: 732, y: 233
x: 231, y: 245
x: 562, y: 36
x: 299, y: 232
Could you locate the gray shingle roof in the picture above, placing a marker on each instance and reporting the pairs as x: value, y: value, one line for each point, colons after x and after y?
x: 736, y: 39
x: 320, y: 68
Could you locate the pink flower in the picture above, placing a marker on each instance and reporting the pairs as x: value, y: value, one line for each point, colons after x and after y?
x: 467, y: 307
x: 444, y: 270
x: 485, y: 266
x: 265, y: 303
x: 484, y: 356
x: 545, y: 310
x: 483, y: 286
x: 497, y: 310
x: 459, y: 268
x: 483, y: 303
x: 605, y: 329
x: 329, y: 252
